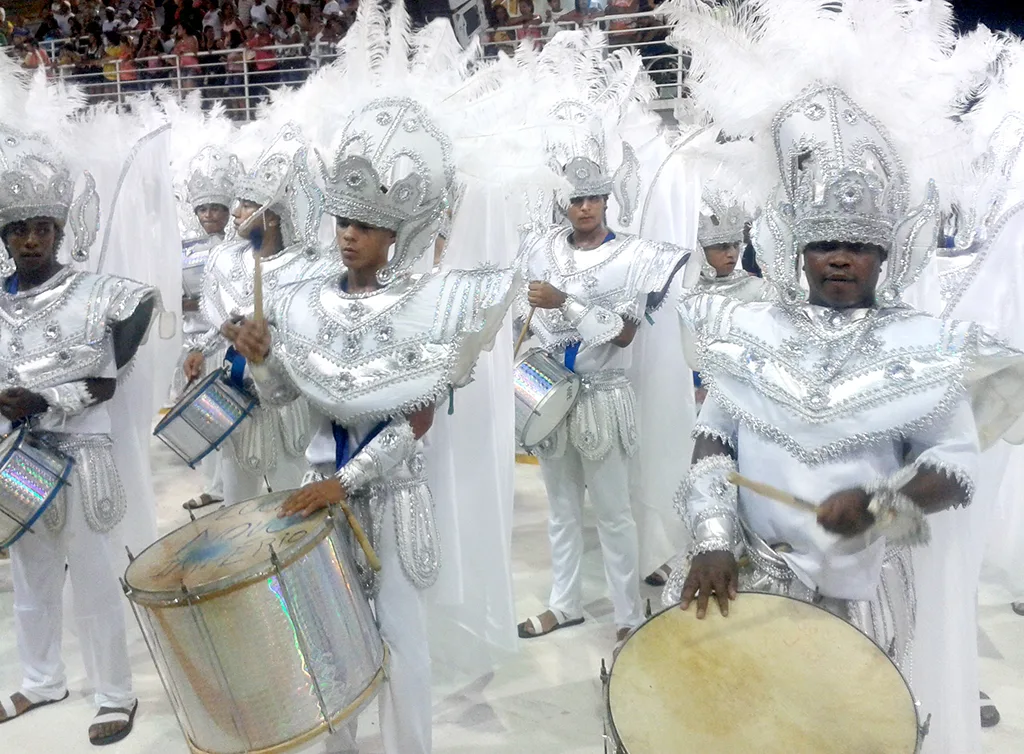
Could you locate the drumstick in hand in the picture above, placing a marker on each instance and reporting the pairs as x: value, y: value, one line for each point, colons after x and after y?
x: 361, y: 538
x: 525, y: 330
x: 772, y: 493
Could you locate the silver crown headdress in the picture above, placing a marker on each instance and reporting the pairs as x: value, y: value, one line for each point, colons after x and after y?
x: 35, y: 182
x: 213, y: 174
x: 576, y: 143
x: 722, y: 219
x: 392, y: 169
x: 278, y: 182
x: 843, y: 180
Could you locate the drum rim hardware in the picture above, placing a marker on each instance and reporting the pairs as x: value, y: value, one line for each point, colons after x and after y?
x: 182, y: 405
x: 23, y: 436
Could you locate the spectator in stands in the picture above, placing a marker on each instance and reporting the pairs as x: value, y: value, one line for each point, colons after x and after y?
x: 528, y: 22
x: 6, y: 29
x: 119, y: 64
x: 502, y: 36
x: 110, y: 20
x: 212, y: 20
x: 32, y: 55
x: 229, y: 20
x: 146, y: 22
x: 186, y: 47
x: 234, y: 65
x: 258, y: 13
x: 325, y: 44
x: 262, y: 62
x: 244, y: 6
x: 149, y: 56
x: 288, y: 33
x: 62, y: 15
x: 621, y: 32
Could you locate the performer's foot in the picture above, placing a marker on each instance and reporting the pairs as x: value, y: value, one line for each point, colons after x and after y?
x: 112, y: 724
x: 546, y: 623
x: 989, y: 713
x: 201, y: 502
x: 659, y: 577
x: 17, y: 704
x: 1018, y: 607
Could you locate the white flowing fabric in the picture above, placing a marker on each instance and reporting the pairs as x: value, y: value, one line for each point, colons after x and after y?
x: 659, y: 372
x: 471, y: 468
x: 142, y: 244
x: 945, y: 678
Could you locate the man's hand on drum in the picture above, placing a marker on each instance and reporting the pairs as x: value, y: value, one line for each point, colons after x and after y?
x: 711, y: 573
x: 253, y: 340
x: 194, y: 365
x: 18, y: 404
x: 846, y: 513
x: 545, y: 295
x: 311, y: 498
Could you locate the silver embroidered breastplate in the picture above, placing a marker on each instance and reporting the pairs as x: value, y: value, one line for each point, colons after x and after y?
x: 57, y: 332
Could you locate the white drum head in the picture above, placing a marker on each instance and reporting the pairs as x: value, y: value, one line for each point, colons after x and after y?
x: 778, y: 676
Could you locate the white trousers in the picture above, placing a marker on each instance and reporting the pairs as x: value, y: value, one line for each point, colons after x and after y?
x: 211, y: 468
x: 37, y: 566
x: 567, y: 479
x: 404, y: 704
x: 242, y: 484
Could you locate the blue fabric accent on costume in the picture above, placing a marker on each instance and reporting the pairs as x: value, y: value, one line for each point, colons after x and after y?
x: 342, y: 454
x: 11, y: 286
x: 451, y: 400
x: 649, y: 318
x: 237, y: 374
x: 571, y: 351
x: 696, y: 380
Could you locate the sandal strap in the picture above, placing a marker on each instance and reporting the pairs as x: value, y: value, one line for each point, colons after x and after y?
x: 118, y: 716
x: 7, y: 704
x: 534, y: 622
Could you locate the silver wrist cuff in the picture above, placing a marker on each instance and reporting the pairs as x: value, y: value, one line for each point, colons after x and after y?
x: 897, y: 517
x: 574, y: 310
x: 70, y: 399
x: 712, y: 545
x: 719, y: 532
x: 358, y: 472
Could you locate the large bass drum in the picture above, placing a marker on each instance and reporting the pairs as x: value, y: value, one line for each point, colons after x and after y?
x: 545, y: 393
x: 259, y: 627
x: 777, y: 676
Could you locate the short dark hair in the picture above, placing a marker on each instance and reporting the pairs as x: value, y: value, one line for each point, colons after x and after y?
x: 854, y: 246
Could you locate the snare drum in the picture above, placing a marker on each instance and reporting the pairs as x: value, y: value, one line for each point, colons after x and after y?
x: 31, y: 475
x: 258, y: 626
x: 203, y: 418
x: 777, y: 676
x: 545, y: 393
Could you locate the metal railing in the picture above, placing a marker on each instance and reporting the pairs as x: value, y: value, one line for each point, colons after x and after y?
x: 241, y: 77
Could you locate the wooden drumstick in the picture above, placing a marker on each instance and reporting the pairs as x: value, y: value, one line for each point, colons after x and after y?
x: 361, y: 538
x: 772, y: 493
x: 257, y: 292
x: 523, y: 333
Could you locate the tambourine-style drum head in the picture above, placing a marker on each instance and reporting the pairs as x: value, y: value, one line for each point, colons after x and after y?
x: 259, y: 627
x: 31, y: 475
x: 203, y: 417
x: 545, y: 392
x: 777, y: 676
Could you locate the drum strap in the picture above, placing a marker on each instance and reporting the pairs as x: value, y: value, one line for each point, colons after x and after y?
x: 237, y: 372
x: 342, y: 454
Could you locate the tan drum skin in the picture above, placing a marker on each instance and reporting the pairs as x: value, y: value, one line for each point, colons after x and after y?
x: 778, y: 676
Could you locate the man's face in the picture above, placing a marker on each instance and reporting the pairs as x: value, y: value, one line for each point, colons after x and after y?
x: 213, y: 218
x: 843, y: 276
x: 362, y: 246
x: 32, y: 243
x: 723, y: 257
x: 245, y: 209
x: 586, y: 213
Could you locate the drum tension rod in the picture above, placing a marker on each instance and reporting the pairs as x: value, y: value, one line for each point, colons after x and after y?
x: 191, y: 515
x: 131, y: 558
x: 604, y: 672
x: 647, y: 610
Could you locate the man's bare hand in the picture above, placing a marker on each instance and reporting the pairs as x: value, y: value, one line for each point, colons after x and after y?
x: 846, y: 513
x: 253, y: 340
x: 545, y: 296
x: 194, y: 365
x: 313, y: 497
x: 711, y: 573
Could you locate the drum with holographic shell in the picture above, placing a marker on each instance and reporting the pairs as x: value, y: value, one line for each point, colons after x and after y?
x: 258, y: 626
x: 31, y: 476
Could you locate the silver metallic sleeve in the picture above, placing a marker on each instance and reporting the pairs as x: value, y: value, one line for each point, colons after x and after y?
x: 396, y: 443
x: 64, y: 401
x: 707, y: 504
x: 273, y: 384
x: 595, y: 324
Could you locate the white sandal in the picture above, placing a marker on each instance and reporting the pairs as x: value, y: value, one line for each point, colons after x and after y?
x: 11, y: 710
x: 108, y: 715
x: 561, y: 621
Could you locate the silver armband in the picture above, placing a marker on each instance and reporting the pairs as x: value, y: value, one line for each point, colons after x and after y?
x: 706, y: 502
x: 716, y: 533
x: 374, y: 461
x: 574, y: 310
x: 70, y: 399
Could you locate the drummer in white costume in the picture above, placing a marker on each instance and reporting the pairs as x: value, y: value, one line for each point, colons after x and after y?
x: 590, y: 287
x: 68, y: 336
x: 269, y: 446
x: 210, y: 191
x: 373, y: 350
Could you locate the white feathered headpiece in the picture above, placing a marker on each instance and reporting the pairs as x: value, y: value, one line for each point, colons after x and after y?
x: 852, y: 101
x: 401, y: 117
